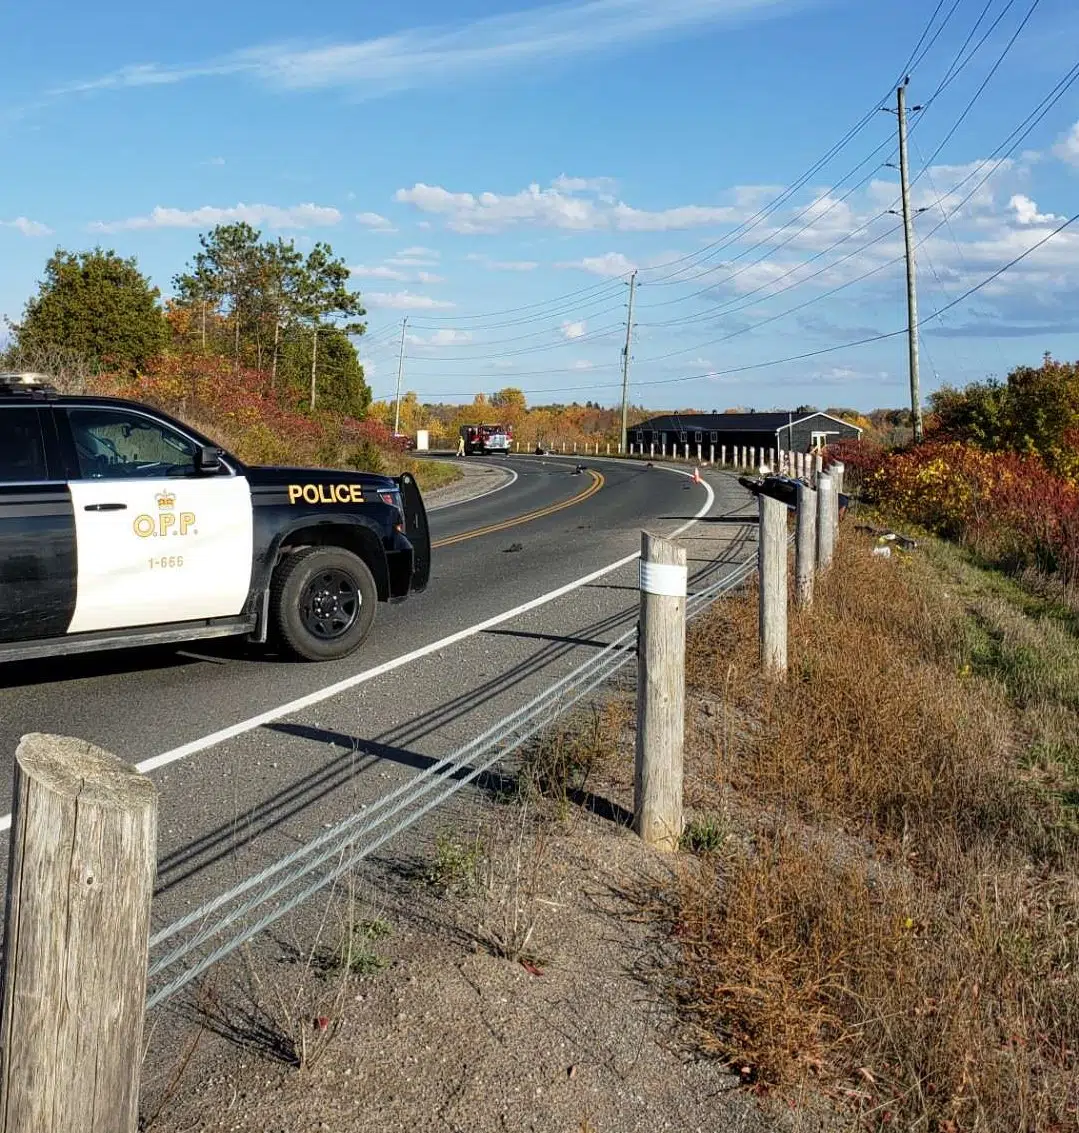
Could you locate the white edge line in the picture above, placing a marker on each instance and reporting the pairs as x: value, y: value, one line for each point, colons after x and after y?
x: 298, y: 705
x: 482, y: 495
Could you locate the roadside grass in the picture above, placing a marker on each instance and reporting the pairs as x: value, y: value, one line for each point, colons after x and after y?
x: 899, y: 923
x: 568, y: 757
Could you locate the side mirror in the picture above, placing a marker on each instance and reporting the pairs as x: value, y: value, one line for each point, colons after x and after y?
x: 208, y: 460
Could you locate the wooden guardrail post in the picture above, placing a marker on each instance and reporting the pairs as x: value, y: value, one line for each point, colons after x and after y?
x: 805, y: 546
x: 772, y: 569
x: 80, y: 881
x: 826, y: 521
x: 661, y: 657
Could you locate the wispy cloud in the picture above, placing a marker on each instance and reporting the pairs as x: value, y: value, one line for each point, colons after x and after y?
x: 405, y: 301
x: 27, y: 227
x: 273, y: 216
x: 378, y: 271
x: 1067, y: 149
x: 573, y: 330
x: 571, y: 203
x: 610, y: 264
x: 503, y: 265
x: 445, y: 336
x: 375, y: 222
x: 437, y: 54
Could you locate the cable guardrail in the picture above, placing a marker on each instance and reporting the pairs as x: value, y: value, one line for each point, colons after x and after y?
x: 338, y: 849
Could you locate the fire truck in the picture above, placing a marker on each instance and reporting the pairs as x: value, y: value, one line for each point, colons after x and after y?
x: 487, y: 438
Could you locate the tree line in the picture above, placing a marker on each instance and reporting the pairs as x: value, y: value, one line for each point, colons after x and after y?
x: 260, y: 303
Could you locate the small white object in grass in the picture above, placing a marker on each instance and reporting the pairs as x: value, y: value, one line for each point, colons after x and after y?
x: 883, y: 552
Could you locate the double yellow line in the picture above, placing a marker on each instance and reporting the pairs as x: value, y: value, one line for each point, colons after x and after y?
x: 490, y: 529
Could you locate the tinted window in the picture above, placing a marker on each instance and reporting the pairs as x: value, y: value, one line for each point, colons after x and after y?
x: 114, y: 444
x: 22, y: 449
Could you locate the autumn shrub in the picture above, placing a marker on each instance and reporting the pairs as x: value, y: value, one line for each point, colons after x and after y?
x: 898, y: 919
x: 1010, y: 508
x: 240, y: 410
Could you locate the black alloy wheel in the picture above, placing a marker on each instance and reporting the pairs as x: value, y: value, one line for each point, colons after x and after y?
x: 330, y: 604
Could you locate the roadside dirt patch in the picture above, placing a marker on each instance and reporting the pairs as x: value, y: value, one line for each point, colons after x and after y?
x: 565, y: 1034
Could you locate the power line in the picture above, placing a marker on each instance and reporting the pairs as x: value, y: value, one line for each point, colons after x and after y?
x: 868, y: 340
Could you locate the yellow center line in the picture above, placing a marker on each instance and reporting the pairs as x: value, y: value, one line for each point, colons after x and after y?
x: 490, y: 529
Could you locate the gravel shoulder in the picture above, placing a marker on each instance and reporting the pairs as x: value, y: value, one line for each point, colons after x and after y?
x: 478, y: 478
x: 568, y: 1035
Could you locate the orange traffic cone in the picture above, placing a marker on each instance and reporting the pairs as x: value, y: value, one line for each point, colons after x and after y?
x: 697, y: 476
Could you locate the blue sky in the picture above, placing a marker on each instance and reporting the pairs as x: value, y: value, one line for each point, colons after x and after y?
x: 494, y: 171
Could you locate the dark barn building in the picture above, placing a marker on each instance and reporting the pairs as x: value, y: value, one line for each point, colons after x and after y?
x: 791, y: 432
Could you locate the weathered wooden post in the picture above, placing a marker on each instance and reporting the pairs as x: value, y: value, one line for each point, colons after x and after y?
x: 772, y: 459
x: 661, y: 656
x: 836, y: 472
x: 818, y: 467
x: 772, y: 569
x: 81, y: 876
x: 826, y: 521
x: 805, y: 546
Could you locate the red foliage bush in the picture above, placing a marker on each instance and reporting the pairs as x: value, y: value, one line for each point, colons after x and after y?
x: 1008, y: 507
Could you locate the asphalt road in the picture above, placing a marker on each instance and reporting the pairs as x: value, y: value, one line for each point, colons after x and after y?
x: 253, y: 754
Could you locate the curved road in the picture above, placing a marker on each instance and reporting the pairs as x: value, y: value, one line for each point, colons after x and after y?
x: 253, y: 754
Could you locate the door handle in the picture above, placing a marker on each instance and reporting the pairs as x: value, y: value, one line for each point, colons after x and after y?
x: 105, y: 507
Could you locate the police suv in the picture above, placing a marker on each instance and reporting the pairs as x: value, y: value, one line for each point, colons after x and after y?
x: 121, y: 526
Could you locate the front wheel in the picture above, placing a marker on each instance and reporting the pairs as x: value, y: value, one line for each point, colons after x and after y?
x: 322, y: 603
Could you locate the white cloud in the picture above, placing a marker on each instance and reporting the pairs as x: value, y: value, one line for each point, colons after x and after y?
x: 27, y: 227
x: 445, y: 336
x: 1067, y: 149
x: 1026, y: 211
x: 379, y: 271
x: 295, y: 216
x: 583, y: 364
x: 572, y: 203
x: 685, y: 216
x: 573, y: 330
x: 425, y: 56
x: 502, y: 265
x: 375, y: 222
x: 405, y: 301
x: 609, y: 264
x: 396, y: 274
x: 584, y: 184
x: 419, y: 252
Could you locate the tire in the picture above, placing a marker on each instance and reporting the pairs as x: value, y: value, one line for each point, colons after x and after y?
x: 322, y: 603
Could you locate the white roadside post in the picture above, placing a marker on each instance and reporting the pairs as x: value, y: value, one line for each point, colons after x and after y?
x: 772, y: 568
x: 711, y: 454
x: 805, y: 547
x: 661, y: 654
x: 826, y: 518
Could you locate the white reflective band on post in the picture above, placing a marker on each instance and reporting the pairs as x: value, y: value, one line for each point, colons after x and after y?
x: 663, y: 578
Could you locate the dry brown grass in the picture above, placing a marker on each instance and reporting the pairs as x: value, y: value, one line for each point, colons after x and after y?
x: 901, y: 920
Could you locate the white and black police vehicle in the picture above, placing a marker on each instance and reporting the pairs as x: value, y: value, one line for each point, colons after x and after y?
x: 121, y: 526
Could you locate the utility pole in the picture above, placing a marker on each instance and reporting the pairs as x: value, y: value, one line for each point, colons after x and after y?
x: 908, y: 238
x: 623, y: 449
x: 400, y: 369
